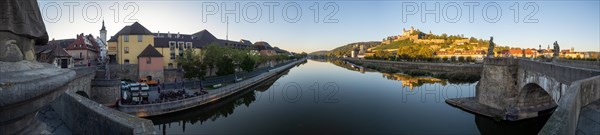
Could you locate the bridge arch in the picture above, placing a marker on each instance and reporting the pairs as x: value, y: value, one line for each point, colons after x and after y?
x: 535, y: 100
x: 83, y: 94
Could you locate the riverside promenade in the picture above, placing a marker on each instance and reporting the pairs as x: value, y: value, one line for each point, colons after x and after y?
x: 154, y: 109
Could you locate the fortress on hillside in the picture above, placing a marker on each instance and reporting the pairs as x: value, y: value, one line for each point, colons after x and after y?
x: 412, y: 34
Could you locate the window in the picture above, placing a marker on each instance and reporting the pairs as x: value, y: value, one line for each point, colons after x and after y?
x: 126, y: 38
x: 180, y: 45
x: 172, y: 49
x: 126, y: 61
x: 126, y: 50
x: 172, y: 45
x: 149, y: 61
x: 80, y: 55
x: 170, y: 66
x: 188, y: 45
x: 139, y: 38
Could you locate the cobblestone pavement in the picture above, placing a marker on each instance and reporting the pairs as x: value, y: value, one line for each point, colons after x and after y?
x: 51, y: 123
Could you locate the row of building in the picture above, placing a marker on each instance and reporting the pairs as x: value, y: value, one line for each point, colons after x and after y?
x: 136, y: 45
x: 84, y: 50
x: 477, y: 53
x: 128, y: 45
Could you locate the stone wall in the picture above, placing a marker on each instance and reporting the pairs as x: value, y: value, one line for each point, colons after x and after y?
x: 84, y: 116
x: 433, y: 67
x: 105, y: 91
x: 156, y: 75
x: 171, y: 75
x: 563, y: 74
x: 124, y: 71
x: 82, y: 81
x: 578, y: 63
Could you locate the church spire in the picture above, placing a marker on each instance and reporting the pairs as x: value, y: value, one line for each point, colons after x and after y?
x: 103, y: 28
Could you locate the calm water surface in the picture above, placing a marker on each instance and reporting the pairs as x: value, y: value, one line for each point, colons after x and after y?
x: 332, y: 97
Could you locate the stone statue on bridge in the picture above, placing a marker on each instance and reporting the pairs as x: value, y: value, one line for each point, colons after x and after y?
x: 490, y: 53
x: 556, y: 50
x: 26, y: 85
x: 21, y: 28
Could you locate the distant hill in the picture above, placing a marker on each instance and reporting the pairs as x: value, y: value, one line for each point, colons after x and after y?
x: 319, y: 53
x: 345, y: 50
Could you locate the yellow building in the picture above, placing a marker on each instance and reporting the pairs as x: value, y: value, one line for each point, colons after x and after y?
x: 128, y: 43
x: 173, y: 45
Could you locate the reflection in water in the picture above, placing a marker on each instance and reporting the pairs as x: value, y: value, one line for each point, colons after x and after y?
x: 368, y: 104
x: 346, y: 65
x: 486, y: 125
x: 414, y: 81
x: 407, y: 80
x: 489, y: 126
x: 215, y: 110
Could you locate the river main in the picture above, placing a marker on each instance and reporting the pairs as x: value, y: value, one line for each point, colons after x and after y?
x: 332, y: 97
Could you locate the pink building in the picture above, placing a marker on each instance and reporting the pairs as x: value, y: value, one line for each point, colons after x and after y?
x: 84, y: 49
x: 150, y: 64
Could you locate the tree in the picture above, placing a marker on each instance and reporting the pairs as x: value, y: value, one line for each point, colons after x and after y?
x: 461, y: 58
x: 225, y: 66
x: 214, y: 53
x: 470, y: 59
x: 248, y: 64
x: 192, y: 64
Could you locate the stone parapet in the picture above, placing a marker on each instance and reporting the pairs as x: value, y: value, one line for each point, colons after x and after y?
x: 565, y: 118
x: 84, y: 116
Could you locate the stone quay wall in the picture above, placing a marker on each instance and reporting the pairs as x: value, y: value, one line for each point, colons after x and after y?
x: 433, y: 67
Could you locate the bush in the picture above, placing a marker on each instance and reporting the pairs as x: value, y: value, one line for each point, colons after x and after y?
x: 459, y: 77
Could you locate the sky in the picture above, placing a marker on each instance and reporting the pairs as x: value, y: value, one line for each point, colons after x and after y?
x: 307, y: 26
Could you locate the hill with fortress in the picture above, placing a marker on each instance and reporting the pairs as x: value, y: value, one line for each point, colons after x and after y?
x: 415, y: 44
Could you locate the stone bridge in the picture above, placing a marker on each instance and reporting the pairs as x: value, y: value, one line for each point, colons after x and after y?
x: 516, y: 89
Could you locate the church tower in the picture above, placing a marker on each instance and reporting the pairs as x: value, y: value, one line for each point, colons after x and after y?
x: 103, y: 32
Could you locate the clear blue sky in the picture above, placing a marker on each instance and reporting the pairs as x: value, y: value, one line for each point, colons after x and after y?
x: 571, y: 23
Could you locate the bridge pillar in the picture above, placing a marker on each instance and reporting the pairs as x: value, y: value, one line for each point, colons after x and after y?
x: 497, y: 87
